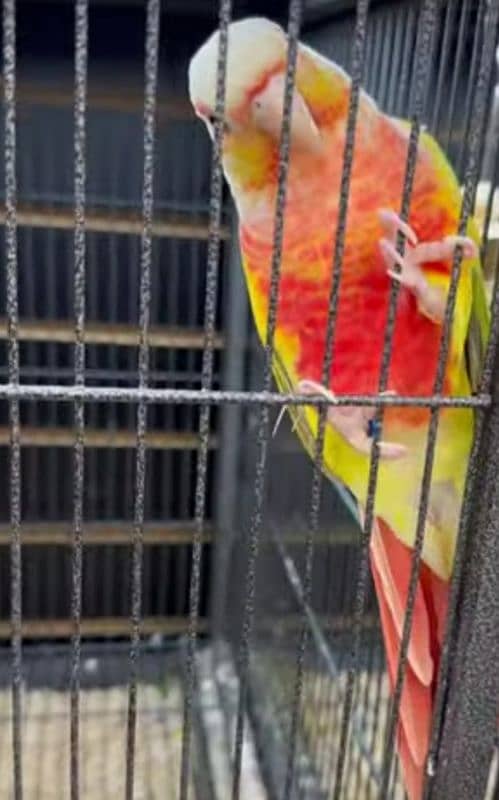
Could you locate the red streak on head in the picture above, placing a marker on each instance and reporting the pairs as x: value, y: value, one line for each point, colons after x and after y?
x: 241, y: 111
x: 263, y: 80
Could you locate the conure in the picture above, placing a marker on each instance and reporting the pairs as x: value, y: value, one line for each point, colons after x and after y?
x: 254, y: 102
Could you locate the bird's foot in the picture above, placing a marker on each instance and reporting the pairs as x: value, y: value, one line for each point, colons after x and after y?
x: 431, y: 299
x: 356, y: 424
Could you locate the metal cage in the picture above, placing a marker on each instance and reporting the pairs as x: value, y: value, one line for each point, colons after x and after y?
x: 148, y: 500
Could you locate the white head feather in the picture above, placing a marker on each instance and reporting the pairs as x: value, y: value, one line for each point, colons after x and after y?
x: 255, y: 44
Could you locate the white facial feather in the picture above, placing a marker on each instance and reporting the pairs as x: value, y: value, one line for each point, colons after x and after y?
x: 254, y: 45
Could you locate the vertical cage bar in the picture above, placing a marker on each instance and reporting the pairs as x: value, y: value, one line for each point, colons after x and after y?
x: 294, y: 24
x: 418, y: 94
x: 9, y: 82
x: 358, y: 51
x: 81, y: 57
x: 216, y: 203
x: 471, y: 178
x: 150, y: 91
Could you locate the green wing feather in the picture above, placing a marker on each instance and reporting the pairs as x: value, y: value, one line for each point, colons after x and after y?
x: 478, y: 329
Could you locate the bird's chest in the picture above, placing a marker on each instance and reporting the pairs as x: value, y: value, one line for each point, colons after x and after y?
x: 357, y: 318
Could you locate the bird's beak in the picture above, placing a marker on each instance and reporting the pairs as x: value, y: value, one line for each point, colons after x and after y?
x: 268, y: 108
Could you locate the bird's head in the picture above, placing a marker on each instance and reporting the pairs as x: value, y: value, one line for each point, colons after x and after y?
x: 254, y: 97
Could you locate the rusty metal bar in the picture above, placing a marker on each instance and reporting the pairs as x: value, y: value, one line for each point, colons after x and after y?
x: 107, y: 333
x: 173, y: 225
x: 94, y: 438
x: 99, y: 97
x: 173, y: 625
x: 55, y: 628
x: 100, y: 627
x: 169, y: 532
x: 116, y: 532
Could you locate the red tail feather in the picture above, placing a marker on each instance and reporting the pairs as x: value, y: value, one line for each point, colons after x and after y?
x: 391, y: 567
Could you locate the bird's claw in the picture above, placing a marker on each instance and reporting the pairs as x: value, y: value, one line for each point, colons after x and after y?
x: 409, y: 275
x: 431, y: 299
x: 356, y: 424
x: 392, y: 224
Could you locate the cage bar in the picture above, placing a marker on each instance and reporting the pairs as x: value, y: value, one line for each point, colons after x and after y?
x: 126, y: 222
x: 150, y: 91
x: 102, y: 627
x: 339, y: 244
x: 216, y: 199
x: 472, y: 172
x: 105, y: 333
x: 102, y: 97
x: 101, y: 394
x: 263, y: 433
x: 418, y: 95
x: 81, y: 57
x: 9, y: 79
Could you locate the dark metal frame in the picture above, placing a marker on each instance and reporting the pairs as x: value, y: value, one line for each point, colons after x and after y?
x: 461, y: 753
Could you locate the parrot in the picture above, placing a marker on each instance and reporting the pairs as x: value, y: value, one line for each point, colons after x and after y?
x: 254, y: 104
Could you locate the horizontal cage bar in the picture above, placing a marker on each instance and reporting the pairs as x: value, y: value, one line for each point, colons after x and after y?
x: 173, y: 225
x: 216, y: 397
x: 59, y: 533
x: 102, y: 627
x: 104, y: 438
x: 108, y: 333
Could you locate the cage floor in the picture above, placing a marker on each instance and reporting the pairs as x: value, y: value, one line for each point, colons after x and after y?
x: 103, y: 724
x: 322, y: 718
x: 322, y: 707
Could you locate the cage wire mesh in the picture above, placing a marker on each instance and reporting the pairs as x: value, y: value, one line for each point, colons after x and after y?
x: 137, y: 411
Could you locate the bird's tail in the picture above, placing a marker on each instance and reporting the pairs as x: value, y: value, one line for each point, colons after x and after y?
x: 391, y: 568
